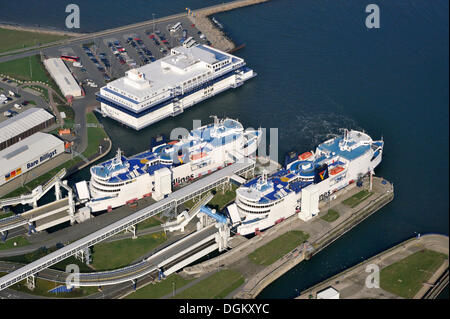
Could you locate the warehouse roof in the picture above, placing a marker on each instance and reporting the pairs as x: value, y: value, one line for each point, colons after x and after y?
x: 23, y: 122
x: 62, y: 76
x: 26, y: 150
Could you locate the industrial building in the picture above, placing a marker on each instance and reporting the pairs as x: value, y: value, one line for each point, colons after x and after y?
x: 62, y: 76
x: 28, y: 154
x: 23, y: 125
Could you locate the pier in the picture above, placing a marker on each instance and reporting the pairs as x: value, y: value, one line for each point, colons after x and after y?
x: 217, y: 38
x: 321, y: 234
x: 127, y: 224
x: 351, y: 283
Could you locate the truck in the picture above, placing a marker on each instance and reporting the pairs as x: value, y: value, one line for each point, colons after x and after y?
x: 77, y: 64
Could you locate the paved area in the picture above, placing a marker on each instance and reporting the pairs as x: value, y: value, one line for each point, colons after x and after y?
x: 24, y: 96
x: 351, y: 283
x: 77, y: 231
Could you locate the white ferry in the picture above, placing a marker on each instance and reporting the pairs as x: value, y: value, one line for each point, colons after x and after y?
x: 171, y: 84
x: 336, y: 163
x: 122, y: 180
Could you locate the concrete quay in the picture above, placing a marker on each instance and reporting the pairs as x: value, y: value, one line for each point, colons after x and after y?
x: 217, y: 37
x: 130, y: 28
x: 351, y: 283
x: 321, y: 234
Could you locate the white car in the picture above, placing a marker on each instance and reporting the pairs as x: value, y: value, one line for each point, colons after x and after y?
x: 17, y: 106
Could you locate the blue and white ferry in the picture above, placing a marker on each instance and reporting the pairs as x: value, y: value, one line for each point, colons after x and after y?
x: 168, y: 86
x: 121, y: 180
x: 336, y: 163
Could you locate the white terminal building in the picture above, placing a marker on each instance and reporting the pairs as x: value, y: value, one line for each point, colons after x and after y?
x: 63, y: 77
x: 169, y: 85
x: 27, y: 154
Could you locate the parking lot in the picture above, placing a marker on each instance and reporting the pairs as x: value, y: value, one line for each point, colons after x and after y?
x: 107, y: 58
x: 21, y: 101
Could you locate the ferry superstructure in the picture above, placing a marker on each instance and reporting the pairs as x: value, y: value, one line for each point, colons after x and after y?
x: 152, y: 173
x: 166, y: 87
x: 336, y: 163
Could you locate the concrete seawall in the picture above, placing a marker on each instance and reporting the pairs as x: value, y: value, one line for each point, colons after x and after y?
x: 351, y: 283
x: 202, y: 13
x: 321, y: 234
x: 216, y: 36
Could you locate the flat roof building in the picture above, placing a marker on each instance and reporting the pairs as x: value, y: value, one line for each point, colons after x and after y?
x: 28, y: 154
x: 23, y: 125
x: 171, y: 84
x: 63, y: 77
x: 328, y: 293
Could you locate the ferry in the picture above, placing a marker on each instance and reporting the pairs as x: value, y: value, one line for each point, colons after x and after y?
x: 168, y: 86
x: 122, y: 180
x: 310, y: 178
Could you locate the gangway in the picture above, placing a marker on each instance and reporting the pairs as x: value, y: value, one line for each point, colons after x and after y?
x: 54, y: 213
x: 35, y: 194
x: 172, y: 200
x: 185, y: 217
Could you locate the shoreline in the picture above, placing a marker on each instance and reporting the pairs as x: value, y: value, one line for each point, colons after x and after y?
x: 321, y: 234
x: 219, y: 38
x: 38, y: 29
x: 347, y: 280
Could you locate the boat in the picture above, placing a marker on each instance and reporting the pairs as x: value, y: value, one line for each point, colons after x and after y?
x: 167, y: 87
x: 206, y: 149
x: 304, y: 182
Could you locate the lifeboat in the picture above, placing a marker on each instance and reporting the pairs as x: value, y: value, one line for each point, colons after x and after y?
x: 304, y: 156
x: 198, y: 156
x: 173, y: 142
x: 336, y: 170
x: 144, y: 161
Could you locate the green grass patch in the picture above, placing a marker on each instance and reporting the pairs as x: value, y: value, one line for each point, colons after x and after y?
x: 43, y: 286
x: 219, y: 201
x: 30, y: 257
x: 121, y: 253
x: 149, y: 222
x: 20, y: 241
x: 331, y: 216
x: 159, y: 289
x: 216, y: 286
x: 6, y: 215
x: 69, y: 121
x: 277, y: 248
x: 405, y: 277
x: 72, y: 261
x: 357, y: 198
x: 15, y: 39
x: 28, y: 69
x: 96, y: 134
x: 25, y: 69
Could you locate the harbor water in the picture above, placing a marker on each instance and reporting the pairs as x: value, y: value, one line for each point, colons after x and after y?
x: 320, y: 69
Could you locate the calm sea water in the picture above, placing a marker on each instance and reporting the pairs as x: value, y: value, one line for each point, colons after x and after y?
x: 320, y: 69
